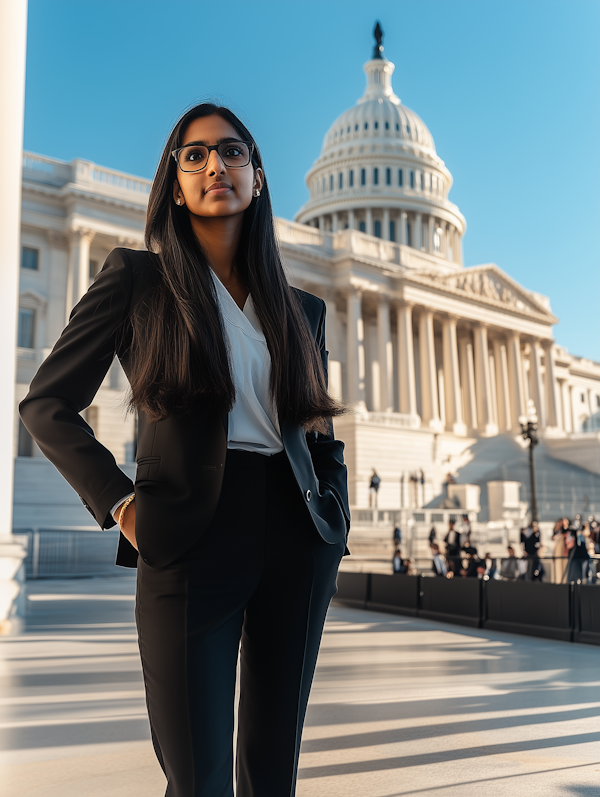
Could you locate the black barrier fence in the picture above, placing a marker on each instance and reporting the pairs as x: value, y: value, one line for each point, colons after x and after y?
x: 569, y: 612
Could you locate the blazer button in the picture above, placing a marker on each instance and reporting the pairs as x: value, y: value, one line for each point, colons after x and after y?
x: 308, y: 495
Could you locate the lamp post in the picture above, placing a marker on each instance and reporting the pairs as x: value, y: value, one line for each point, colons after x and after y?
x: 529, y: 429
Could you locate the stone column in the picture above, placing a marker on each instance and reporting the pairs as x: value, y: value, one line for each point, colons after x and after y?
x: 444, y: 226
x: 369, y: 221
x: 467, y: 373
x: 334, y: 222
x: 351, y: 222
x: 453, y: 399
x: 407, y: 392
x: 418, y: 231
x: 429, y: 397
x: 322, y: 223
x: 552, y: 401
x: 403, y: 222
x: 485, y: 411
x: 355, y: 350
x: 518, y: 405
x: 385, y: 356
x: 567, y: 410
x: 502, y: 386
x: 537, y: 383
x: 385, y: 232
x: 78, y: 279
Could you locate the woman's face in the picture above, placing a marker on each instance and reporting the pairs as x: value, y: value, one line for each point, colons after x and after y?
x: 216, y: 190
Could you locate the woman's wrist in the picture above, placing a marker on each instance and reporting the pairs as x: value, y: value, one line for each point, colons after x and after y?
x: 123, y: 509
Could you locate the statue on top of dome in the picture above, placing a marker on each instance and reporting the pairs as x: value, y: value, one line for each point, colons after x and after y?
x: 378, y: 48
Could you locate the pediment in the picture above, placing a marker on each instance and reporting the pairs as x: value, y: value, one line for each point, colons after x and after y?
x: 490, y: 284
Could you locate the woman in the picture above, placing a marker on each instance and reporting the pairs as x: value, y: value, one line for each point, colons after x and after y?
x: 241, y: 512
x: 561, y: 529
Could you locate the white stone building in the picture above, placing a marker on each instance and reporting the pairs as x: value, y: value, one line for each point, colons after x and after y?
x: 438, y: 361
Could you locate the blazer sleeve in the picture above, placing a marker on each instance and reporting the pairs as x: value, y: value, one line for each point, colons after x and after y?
x: 326, y: 452
x: 66, y: 383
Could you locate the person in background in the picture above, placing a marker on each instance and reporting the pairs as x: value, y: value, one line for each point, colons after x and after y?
x: 579, y: 558
x: 397, y: 536
x: 530, y: 539
x: 473, y: 567
x: 439, y: 566
x: 432, y: 535
x: 399, y: 565
x: 561, y: 528
x: 374, y: 488
x: 453, y: 547
x: 509, y: 569
x: 465, y: 531
x: 491, y: 568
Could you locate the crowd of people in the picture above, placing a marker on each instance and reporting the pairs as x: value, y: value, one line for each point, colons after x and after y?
x: 572, y: 559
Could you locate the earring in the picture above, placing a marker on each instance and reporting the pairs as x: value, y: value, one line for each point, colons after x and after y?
x: 256, y: 192
x: 178, y: 201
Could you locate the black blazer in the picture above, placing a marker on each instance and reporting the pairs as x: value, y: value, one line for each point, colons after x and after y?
x: 180, y: 461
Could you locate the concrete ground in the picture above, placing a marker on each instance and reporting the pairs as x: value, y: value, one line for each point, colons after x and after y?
x: 399, y: 706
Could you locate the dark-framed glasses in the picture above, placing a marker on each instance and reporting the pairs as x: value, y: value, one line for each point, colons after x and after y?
x: 194, y: 157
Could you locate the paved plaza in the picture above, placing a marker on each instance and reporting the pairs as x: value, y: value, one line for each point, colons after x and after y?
x: 399, y: 706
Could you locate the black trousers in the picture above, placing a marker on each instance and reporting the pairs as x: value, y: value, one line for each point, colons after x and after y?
x: 262, y: 575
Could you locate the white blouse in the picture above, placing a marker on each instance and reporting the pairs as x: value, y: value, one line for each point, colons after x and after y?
x: 253, y: 423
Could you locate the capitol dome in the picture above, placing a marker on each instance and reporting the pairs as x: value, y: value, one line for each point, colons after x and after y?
x: 379, y: 173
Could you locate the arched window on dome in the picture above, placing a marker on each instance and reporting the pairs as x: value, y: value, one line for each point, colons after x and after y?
x: 355, y: 127
x: 387, y: 125
x: 348, y: 130
x: 376, y: 125
x: 408, y: 129
x: 375, y: 176
x: 388, y: 176
x: 422, y: 181
x: 400, y: 178
x: 397, y: 126
x: 392, y: 230
x: 351, y: 178
x: 366, y: 125
x: 412, y: 179
x: 362, y: 226
x: 341, y: 181
x: 331, y: 182
x: 363, y: 176
x: 377, y: 228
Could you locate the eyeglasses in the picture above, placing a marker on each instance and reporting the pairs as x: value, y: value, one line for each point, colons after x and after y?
x: 194, y: 157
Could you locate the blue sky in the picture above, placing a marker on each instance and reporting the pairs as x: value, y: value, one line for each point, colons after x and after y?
x: 508, y: 89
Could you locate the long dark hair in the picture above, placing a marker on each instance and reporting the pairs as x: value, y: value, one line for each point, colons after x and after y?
x: 180, y: 361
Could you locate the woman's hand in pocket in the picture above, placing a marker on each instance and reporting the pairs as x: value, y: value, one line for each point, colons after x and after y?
x: 128, y: 529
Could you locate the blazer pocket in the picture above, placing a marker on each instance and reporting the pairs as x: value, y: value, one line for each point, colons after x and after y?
x: 147, y: 469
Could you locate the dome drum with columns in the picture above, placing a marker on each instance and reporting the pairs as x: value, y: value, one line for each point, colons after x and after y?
x: 379, y: 173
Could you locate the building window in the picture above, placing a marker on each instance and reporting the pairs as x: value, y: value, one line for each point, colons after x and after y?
x: 408, y: 129
x: 387, y: 125
x: 351, y: 178
x: 331, y: 182
x: 397, y: 126
x: 362, y: 226
x: 25, y: 441
x: 341, y: 181
x: 26, y: 329
x: 363, y: 176
x: 30, y: 258
x: 392, y: 230
x: 377, y: 228
x: 355, y: 127
x: 408, y: 237
x: 376, y: 176
x: 366, y: 125
x: 376, y: 125
x: 412, y: 179
x: 583, y: 398
x: 400, y: 180
x: 422, y: 181
x: 388, y: 176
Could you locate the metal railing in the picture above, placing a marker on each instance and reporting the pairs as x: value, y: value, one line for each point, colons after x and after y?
x: 59, y: 553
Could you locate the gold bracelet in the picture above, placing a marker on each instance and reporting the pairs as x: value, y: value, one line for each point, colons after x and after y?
x: 123, y: 508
